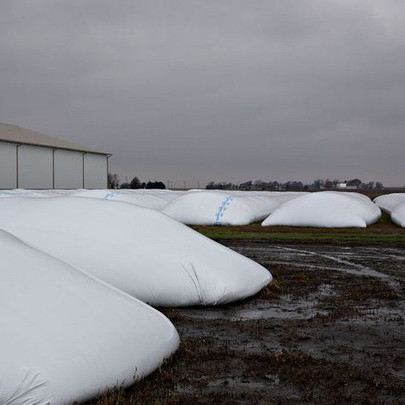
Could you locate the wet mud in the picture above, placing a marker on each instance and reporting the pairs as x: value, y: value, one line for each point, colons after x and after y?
x: 329, y: 329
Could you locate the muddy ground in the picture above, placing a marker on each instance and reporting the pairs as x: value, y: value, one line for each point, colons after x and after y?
x: 329, y: 329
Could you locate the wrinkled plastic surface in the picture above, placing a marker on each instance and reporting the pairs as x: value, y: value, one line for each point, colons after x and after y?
x: 326, y: 209
x: 65, y: 336
x: 388, y: 202
x: 140, y: 251
x: 154, y: 199
x: 398, y: 215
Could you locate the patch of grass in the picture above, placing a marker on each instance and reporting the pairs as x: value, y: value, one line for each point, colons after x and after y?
x: 384, y: 232
x: 385, y: 219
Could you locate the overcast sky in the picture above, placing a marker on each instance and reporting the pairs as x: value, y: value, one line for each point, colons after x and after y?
x: 224, y: 90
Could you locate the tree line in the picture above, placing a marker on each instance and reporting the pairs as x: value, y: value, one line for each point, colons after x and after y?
x: 257, y: 185
x: 114, y: 182
x: 319, y: 184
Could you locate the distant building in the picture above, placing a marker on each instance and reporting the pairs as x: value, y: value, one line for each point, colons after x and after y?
x: 354, y: 184
x: 347, y: 185
x: 32, y: 160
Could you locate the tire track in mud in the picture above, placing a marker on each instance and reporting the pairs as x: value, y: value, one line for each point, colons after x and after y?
x: 353, y: 268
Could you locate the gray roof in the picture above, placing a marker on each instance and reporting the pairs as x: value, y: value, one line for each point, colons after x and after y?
x: 16, y: 134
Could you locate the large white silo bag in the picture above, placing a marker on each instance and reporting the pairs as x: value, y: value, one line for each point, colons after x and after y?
x: 140, y: 251
x: 326, y: 209
x: 66, y: 336
x: 388, y: 202
x: 210, y: 208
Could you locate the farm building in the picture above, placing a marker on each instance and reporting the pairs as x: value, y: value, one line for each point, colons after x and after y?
x: 32, y: 160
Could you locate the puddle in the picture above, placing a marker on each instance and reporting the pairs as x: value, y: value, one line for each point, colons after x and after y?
x: 285, y: 308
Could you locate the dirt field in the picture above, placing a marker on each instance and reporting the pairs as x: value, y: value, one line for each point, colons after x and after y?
x: 330, y: 329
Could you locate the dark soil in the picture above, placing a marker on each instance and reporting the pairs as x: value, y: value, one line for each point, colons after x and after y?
x: 330, y: 329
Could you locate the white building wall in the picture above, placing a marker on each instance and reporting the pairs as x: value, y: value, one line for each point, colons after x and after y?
x: 43, y: 168
x: 68, y: 169
x: 8, y: 165
x: 95, y: 171
x: 35, y: 167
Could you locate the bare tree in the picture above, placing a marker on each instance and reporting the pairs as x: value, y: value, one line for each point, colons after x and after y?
x: 113, y: 180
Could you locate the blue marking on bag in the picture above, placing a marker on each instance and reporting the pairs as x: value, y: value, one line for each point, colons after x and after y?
x: 221, y: 210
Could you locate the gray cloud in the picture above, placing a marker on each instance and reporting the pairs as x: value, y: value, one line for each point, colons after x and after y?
x: 193, y: 90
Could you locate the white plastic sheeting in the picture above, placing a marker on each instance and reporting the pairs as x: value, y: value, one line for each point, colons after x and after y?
x: 19, y: 192
x: 326, y: 209
x: 154, y: 199
x: 140, y: 251
x: 394, y: 205
x: 225, y: 208
x: 66, y: 336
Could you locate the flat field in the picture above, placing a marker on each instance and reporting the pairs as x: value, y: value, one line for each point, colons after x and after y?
x: 384, y: 232
x: 330, y: 328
